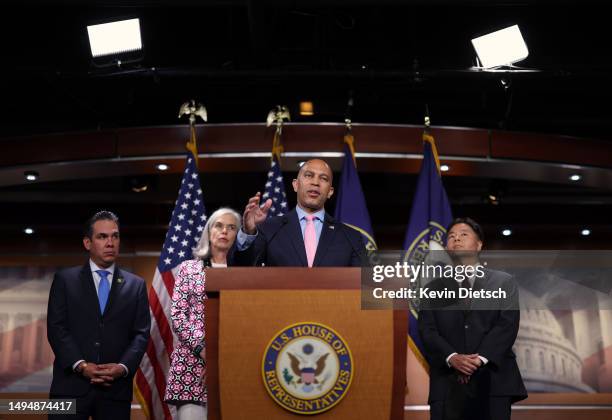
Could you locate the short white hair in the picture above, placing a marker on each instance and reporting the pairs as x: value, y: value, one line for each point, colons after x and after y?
x: 202, y: 251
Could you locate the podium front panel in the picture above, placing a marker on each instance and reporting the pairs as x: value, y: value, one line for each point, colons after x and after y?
x: 249, y: 319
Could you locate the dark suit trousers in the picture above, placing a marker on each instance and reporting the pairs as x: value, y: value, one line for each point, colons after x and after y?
x: 498, y: 408
x: 99, y: 408
x: 469, y: 402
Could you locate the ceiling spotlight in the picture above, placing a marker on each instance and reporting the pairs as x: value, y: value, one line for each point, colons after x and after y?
x: 506, y: 232
x: 493, y: 199
x: 575, y: 177
x: 28, y: 231
x: 31, y: 176
x: 162, y: 167
x: 306, y: 108
x: 444, y: 168
x: 118, y: 41
x: 585, y: 232
x: 500, y: 48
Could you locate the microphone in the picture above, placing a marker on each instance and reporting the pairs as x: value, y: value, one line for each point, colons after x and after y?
x: 360, y: 254
x: 283, y: 221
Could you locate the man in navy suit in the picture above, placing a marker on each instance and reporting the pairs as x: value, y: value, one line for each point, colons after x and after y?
x: 307, y: 236
x: 473, y: 374
x: 98, y: 327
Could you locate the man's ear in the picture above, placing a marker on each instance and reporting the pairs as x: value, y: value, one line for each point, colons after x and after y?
x: 330, y: 193
x: 479, y: 245
x: 295, y: 184
x: 86, y: 243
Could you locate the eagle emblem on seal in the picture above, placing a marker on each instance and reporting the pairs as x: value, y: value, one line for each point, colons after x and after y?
x: 308, y: 372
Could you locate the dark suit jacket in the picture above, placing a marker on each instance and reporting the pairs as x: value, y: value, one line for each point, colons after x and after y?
x: 490, y: 332
x: 77, y: 330
x: 280, y: 242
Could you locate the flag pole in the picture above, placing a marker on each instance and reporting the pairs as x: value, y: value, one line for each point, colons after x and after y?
x: 277, y: 116
x: 275, y: 185
x: 349, y: 139
x: 429, y: 138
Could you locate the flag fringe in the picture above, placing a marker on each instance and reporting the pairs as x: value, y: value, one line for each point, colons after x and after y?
x: 429, y: 138
x: 143, y: 403
x: 417, y: 353
x: 192, y: 145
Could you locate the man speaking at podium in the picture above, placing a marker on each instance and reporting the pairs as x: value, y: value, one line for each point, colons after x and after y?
x: 307, y: 236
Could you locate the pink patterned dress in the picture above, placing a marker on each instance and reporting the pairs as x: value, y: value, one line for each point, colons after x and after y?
x: 186, y: 370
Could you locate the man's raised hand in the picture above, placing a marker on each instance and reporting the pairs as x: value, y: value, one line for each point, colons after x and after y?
x: 254, y: 214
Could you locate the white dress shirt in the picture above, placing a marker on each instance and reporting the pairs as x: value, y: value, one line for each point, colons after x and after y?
x: 483, y: 359
x: 97, y: 278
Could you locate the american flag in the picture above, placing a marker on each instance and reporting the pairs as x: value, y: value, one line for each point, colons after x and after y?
x: 184, y: 231
x: 275, y: 189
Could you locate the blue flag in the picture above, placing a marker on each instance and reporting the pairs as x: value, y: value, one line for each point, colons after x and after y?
x: 351, y: 206
x: 429, y: 218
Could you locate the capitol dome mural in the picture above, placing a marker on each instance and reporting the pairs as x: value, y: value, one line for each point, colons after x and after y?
x: 548, y: 360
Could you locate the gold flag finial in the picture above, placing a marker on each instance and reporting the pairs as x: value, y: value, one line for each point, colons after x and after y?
x: 277, y: 116
x: 193, y: 110
x: 348, y: 124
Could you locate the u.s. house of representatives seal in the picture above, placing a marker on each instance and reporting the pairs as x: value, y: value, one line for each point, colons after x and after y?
x: 307, y: 368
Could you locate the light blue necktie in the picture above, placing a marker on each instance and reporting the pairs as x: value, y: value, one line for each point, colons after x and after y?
x: 103, y: 289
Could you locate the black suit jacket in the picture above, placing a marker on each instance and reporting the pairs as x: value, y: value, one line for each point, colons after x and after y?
x: 280, y: 242
x: 490, y: 332
x: 77, y: 330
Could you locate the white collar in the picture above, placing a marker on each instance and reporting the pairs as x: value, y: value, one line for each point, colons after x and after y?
x: 302, y: 213
x: 94, y: 267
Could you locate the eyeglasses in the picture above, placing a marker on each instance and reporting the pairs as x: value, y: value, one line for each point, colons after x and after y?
x: 220, y: 226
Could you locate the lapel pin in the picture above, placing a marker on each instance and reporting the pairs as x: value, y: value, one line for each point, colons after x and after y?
x: 119, y: 279
x: 331, y: 226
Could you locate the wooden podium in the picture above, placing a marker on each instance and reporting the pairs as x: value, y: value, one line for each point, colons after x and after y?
x: 247, y: 307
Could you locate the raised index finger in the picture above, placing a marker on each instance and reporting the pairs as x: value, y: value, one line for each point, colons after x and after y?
x: 255, y: 198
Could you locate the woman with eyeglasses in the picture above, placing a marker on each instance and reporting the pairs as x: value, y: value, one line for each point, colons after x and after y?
x: 187, y: 375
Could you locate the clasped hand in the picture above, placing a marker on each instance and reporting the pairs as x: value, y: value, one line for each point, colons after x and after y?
x: 465, y: 365
x: 103, y: 374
